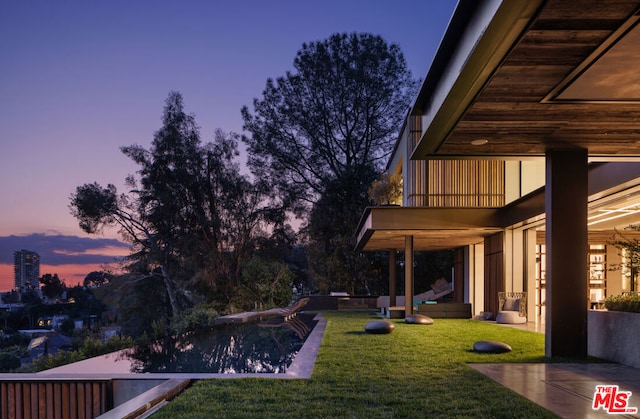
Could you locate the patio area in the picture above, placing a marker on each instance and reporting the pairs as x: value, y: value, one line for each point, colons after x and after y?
x: 566, y: 389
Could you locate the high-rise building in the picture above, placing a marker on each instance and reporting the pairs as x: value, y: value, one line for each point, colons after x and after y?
x: 26, y: 269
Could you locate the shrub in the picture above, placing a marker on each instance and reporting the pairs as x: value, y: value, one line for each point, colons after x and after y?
x: 263, y: 283
x: 90, y: 348
x: 7, y: 342
x: 158, y: 329
x: 95, y: 347
x: 624, y: 302
x: 51, y: 361
x: 67, y: 327
x: 198, y: 318
x: 9, y: 361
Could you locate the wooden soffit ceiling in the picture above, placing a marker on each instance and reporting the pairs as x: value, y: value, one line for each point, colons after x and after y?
x: 570, y: 79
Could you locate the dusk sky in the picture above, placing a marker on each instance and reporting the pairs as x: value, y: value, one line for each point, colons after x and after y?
x: 80, y: 79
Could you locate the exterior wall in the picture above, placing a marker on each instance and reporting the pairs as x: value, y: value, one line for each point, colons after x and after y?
x: 459, y: 288
x: 614, y: 278
x: 532, y: 175
x: 479, y: 278
x: 514, y: 258
x: 469, y: 278
x: 529, y: 280
x: 474, y: 274
x: 609, y: 336
x: 512, y: 190
x: 508, y: 254
x: 522, y: 178
x: 493, y: 271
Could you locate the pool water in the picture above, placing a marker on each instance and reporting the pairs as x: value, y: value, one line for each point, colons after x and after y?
x: 254, y: 347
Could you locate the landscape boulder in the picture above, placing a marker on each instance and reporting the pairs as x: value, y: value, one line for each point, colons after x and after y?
x: 418, y: 319
x: 379, y: 327
x: 491, y: 347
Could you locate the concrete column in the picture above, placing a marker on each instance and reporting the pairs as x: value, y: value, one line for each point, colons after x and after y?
x: 408, y: 275
x: 392, y: 277
x: 566, y: 252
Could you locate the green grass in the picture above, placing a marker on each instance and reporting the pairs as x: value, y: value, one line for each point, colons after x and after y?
x: 415, y: 372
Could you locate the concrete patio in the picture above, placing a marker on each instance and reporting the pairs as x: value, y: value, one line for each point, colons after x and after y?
x: 566, y: 389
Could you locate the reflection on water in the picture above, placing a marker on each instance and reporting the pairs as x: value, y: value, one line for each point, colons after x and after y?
x: 263, y: 347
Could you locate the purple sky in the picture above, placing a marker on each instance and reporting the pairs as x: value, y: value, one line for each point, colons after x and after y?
x: 80, y: 79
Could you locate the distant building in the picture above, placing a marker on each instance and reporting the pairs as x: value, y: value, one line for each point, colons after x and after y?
x: 52, y: 322
x: 26, y: 269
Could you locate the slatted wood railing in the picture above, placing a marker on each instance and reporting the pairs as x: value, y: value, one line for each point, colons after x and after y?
x: 55, y: 398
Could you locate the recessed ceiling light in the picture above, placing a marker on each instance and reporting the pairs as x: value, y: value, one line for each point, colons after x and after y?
x: 479, y: 142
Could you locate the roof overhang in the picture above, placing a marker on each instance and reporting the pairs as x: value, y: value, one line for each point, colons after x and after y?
x: 384, y: 228
x: 521, y: 77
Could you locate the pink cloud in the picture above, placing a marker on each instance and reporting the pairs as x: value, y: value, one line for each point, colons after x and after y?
x: 114, y: 251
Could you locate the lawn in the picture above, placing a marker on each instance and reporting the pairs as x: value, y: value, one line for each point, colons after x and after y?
x: 417, y: 371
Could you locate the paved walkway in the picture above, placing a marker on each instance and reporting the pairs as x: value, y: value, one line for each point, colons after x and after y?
x: 566, y: 389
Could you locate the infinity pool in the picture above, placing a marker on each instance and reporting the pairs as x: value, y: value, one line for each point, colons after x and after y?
x: 254, y: 347
x: 270, y: 349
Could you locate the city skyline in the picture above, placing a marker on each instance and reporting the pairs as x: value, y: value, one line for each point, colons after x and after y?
x: 60, y: 255
x: 80, y: 80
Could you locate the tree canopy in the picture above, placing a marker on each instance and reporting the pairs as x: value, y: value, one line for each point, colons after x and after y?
x: 333, y: 118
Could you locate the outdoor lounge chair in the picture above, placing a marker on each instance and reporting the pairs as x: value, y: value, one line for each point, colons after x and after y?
x: 295, y: 324
x: 512, y: 308
x: 286, y: 312
x: 439, y: 289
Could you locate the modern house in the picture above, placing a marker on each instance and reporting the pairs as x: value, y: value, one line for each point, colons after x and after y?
x: 522, y: 153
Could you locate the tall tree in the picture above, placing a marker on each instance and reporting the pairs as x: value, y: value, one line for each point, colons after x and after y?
x: 190, y: 212
x: 198, y: 197
x: 338, y: 112
x: 322, y: 133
